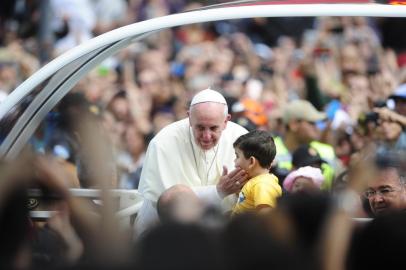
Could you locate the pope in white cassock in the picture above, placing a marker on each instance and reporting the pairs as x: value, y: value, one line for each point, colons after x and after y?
x: 197, y: 152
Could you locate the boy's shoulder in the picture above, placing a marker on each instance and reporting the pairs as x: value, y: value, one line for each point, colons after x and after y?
x: 266, y: 177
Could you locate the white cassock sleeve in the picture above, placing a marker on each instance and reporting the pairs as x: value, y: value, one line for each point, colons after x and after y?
x: 208, y: 194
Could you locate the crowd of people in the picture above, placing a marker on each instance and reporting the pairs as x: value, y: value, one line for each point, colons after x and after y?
x: 253, y: 142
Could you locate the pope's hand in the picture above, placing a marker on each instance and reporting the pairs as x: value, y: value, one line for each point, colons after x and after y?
x: 232, y: 182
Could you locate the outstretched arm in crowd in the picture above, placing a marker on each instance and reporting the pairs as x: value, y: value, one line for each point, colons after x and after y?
x: 339, y: 228
x: 140, y: 101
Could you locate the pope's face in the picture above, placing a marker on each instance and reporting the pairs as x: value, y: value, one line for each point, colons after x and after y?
x: 208, y: 122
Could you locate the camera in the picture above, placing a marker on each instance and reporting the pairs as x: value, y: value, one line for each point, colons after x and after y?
x: 366, y: 121
x: 371, y: 117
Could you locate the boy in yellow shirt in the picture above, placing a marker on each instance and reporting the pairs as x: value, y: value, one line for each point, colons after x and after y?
x: 255, y: 152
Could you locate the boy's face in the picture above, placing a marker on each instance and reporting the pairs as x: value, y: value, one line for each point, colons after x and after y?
x: 240, y: 161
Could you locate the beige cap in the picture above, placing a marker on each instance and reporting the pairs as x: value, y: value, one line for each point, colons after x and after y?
x: 208, y: 95
x: 302, y: 110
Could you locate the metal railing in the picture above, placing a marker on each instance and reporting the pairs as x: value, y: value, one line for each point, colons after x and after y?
x: 130, y: 201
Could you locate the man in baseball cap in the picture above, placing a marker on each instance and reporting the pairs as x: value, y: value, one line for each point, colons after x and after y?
x: 300, y: 118
x: 302, y: 110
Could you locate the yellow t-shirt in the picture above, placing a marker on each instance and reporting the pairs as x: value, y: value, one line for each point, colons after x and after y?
x: 262, y: 189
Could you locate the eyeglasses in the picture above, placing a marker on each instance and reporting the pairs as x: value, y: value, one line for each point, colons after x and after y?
x: 384, y: 192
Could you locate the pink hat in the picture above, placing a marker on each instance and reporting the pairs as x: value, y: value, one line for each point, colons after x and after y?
x: 308, y: 172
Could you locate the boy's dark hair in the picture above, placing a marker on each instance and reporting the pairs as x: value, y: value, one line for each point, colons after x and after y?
x: 258, y: 144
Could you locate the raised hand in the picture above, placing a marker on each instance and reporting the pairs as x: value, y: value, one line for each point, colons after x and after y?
x: 232, y: 182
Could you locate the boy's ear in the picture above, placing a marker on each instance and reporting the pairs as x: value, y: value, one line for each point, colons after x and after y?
x: 253, y: 161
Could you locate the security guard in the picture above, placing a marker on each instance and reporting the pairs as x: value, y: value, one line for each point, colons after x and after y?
x: 300, y: 118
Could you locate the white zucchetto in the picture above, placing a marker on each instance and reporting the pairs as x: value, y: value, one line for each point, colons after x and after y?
x: 208, y: 95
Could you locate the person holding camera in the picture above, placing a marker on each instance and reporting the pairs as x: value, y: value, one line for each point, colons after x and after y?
x: 390, y: 129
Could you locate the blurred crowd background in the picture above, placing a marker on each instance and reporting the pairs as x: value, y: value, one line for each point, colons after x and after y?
x: 351, y: 68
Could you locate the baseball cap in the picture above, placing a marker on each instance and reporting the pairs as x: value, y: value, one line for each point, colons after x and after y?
x: 399, y: 93
x: 302, y: 110
x: 305, y: 156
